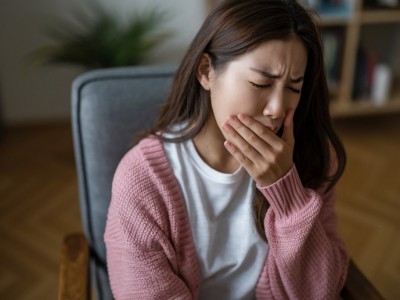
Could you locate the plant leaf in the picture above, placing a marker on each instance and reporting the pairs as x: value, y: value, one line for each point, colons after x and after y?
x: 103, y: 42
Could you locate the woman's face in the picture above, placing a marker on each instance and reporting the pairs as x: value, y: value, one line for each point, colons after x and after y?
x: 264, y: 83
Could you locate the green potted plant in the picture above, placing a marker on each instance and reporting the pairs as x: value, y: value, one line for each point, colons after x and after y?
x: 103, y: 41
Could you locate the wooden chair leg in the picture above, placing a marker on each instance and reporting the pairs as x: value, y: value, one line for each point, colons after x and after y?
x: 74, y: 281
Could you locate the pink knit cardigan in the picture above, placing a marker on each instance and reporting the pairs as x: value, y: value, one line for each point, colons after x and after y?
x: 151, y: 253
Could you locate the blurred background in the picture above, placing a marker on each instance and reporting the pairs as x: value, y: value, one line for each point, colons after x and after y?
x: 31, y: 92
x: 38, y: 185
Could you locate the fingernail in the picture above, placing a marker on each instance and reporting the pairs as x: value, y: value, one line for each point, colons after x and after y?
x: 226, y: 126
x: 231, y: 119
x: 243, y: 117
x: 227, y: 145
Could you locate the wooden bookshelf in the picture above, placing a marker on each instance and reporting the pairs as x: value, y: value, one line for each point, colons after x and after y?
x: 380, y: 16
x: 353, y: 26
x: 363, y: 108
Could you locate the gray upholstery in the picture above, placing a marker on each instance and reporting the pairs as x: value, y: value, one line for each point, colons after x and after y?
x: 109, y: 107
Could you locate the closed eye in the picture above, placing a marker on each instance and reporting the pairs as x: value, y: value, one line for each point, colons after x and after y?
x: 297, y: 91
x: 259, y: 86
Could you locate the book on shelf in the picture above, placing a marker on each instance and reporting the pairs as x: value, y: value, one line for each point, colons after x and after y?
x: 372, y: 79
x: 381, y: 4
x: 331, y: 8
x: 360, y: 84
x: 332, y: 40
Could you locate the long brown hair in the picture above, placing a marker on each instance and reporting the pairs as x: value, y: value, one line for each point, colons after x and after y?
x: 231, y: 30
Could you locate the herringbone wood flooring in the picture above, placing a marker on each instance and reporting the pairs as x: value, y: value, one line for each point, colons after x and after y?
x: 38, y: 204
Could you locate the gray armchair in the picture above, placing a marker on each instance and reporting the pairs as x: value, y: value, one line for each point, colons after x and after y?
x: 108, y: 108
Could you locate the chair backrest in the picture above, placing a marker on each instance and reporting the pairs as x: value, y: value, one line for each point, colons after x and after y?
x: 109, y: 106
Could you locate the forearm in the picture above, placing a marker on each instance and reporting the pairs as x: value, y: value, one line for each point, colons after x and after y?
x: 138, y: 270
x: 306, y: 258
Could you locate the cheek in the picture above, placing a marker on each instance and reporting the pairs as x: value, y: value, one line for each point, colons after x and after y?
x: 230, y: 100
x: 293, y: 102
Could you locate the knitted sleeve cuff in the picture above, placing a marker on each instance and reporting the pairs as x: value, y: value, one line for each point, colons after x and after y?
x: 287, y: 195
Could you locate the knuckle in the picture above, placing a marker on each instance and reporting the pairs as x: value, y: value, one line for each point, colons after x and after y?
x: 252, y: 138
x: 261, y: 131
x: 234, y: 151
x: 273, y: 160
x: 239, y: 127
x: 241, y: 158
x: 247, y: 149
x: 280, y: 148
x: 249, y: 121
x: 233, y: 134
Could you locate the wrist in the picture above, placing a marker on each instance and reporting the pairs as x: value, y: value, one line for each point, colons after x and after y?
x: 287, y: 195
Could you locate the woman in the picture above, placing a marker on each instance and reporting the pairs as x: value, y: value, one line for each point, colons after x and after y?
x: 231, y: 194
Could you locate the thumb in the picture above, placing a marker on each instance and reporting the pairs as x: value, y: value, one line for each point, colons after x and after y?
x: 288, y: 125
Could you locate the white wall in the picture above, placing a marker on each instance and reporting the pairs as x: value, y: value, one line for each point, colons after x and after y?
x: 40, y: 93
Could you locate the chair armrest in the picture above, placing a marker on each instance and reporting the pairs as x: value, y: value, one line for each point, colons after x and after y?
x: 74, y: 271
x: 358, y: 287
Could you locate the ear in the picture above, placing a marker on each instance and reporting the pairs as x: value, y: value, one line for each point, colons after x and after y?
x: 204, y: 71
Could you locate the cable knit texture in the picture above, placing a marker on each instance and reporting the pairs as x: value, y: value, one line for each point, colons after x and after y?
x: 151, y: 253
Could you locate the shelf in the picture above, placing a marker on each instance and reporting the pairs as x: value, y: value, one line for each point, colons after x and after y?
x: 355, y: 26
x: 380, y: 16
x: 363, y: 108
x: 333, y: 21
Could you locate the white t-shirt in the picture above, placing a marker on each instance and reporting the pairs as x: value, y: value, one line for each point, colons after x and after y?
x: 230, y: 251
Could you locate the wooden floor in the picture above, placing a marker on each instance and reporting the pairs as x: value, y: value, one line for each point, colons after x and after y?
x: 368, y: 203
x: 38, y: 204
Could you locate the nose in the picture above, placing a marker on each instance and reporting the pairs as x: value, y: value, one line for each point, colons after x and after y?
x: 274, y: 106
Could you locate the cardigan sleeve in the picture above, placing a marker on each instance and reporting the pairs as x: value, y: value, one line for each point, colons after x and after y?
x: 142, y: 262
x: 307, y: 259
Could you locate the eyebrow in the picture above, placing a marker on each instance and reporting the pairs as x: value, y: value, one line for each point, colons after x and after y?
x: 274, y: 76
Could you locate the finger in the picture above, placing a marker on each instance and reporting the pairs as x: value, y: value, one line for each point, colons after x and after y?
x: 267, y: 136
x: 288, y: 125
x: 250, y: 133
x: 235, y: 135
x: 238, y: 155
